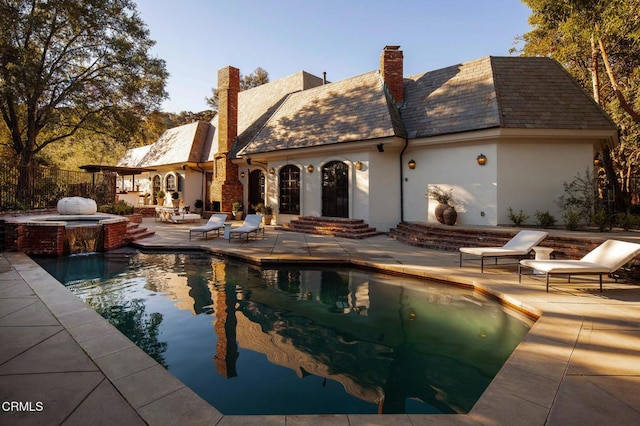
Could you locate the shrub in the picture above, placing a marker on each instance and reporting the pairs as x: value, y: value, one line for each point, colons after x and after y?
x: 544, y: 219
x: 175, y: 195
x: 160, y: 194
x: 517, y: 219
x: 268, y: 210
x: 571, y: 219
x: 198, y: 204
x: 236, y: 206
x: 626, y: 221
x: 120, y: 208
x: 581, y: 196
x: 600, y: 218
x: 440, y: 195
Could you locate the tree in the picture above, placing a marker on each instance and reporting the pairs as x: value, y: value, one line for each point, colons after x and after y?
x: 258, y: 77
x: 74, y: 66
x: 598, y: 42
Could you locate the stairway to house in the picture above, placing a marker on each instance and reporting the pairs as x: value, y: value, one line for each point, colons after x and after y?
x: 335, y: 226
x: 451, y: 238
x: 136, y: 232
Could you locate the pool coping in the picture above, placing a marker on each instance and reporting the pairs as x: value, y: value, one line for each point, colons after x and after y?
x: 525, y: 388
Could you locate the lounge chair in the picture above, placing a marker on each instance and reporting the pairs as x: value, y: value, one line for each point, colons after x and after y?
x: 215, y: 223
x: 607, y: 258
x: 251, y: 225
x: 518, y: 246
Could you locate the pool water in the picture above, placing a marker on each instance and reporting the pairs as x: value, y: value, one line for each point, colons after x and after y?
x: 296, y: 340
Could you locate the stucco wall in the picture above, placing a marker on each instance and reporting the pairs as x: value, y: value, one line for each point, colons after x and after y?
x: 532, y: 174
x: 523, y: 174
x: 455, y: 167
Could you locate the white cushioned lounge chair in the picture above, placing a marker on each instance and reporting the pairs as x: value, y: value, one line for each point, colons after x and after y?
x: 215, y: 223
x: 518, y: 246
x: 607, y: 258
x: 251, y: 225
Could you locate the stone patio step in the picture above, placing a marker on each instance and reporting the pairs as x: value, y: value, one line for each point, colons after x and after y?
x: 136, y: 232
x: 451, y: 238
x: 337, y: 227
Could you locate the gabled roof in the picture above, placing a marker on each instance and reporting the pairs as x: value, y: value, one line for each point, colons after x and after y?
x: 349, y: 110
x: 507, y: 92
x: 182, y: 144
x: 257, y: 105
x: 133, y: 156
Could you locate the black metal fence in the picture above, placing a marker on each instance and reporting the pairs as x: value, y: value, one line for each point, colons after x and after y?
x: 29, y: 188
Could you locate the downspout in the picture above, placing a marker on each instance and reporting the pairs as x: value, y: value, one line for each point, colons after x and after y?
x: 406, y: 144
x: 202, y: 180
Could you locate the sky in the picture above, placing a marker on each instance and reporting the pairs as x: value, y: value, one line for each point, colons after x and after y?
x: 343, y: 38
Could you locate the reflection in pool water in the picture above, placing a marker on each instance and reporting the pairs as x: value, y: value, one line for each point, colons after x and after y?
x: 298, y: 340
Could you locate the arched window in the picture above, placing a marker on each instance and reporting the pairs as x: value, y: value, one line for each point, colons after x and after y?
x: 157, y: 184
x: 290, y: 190
x: 171, y: 183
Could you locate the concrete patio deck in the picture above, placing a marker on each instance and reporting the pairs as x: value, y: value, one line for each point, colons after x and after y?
x: 61, y: 363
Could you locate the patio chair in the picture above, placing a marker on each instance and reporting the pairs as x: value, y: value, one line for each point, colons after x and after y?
x: 183, y: 215
x: 215, y: 223
x: 607, y: 258
x: 518, y: 246
x: 251, y: 225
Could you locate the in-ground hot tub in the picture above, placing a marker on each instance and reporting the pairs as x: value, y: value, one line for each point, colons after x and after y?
x: 65, y: 234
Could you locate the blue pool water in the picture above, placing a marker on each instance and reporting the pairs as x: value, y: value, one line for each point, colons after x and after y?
x: 296, y: 340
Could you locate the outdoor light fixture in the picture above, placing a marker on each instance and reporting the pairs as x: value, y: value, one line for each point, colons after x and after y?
x: 411, y: 164
x: 242, y: 175
x: 380, y: 147
x: 481, y: 159
x: 358, y: 165
x: 249, y: 161
x: 272, y: 171
x: 597, y: 161
x: 310, y: 168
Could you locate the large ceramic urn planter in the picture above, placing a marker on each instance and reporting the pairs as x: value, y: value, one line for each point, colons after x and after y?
x: 450, y: 216
x: 439, y: 211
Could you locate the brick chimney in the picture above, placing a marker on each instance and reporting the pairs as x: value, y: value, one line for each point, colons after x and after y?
x: 226, y: 187
x: 391, y: 68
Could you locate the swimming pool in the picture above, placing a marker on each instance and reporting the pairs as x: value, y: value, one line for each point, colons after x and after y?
x: 300, y: 340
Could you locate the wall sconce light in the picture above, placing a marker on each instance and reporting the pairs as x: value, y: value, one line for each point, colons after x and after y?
x: 481, y: 159
x: 310, y: 168
x: 380, y: 147
x: 411, y: 164
x: 597, y: 161
x: 249, y: 161
x: 242, y: 175
x: 358, y: 165
x: 272, y: 171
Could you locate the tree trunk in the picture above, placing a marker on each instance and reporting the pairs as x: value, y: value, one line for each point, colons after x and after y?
x: 614, y: 84
x: 607, y: 164
x: 595, y: 81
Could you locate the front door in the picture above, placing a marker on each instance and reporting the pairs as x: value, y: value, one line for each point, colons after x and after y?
x: 335, y: 189
x: 256, y: 189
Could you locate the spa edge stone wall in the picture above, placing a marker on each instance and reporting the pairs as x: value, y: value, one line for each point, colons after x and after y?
x: 49, y: 239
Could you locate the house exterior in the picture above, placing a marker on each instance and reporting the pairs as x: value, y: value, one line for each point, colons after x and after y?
x: 370, y: 147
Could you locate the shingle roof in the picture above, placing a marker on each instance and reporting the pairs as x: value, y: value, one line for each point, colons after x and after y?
x: 349, y: 110
x: 508, y: 92
x: 538, y: 93
x: 133, y: 156
x: 256, y: 105
x: 177, y: 145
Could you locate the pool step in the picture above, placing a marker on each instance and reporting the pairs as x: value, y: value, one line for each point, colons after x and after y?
x: 136, y: 232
